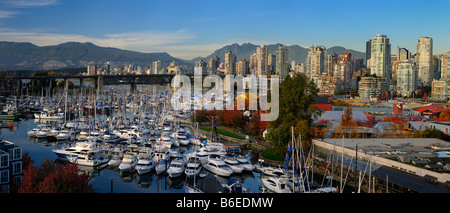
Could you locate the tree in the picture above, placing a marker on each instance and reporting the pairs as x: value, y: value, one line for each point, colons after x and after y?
x: 297, y: 94
x: 256, y: 126
x: 52, y: 73
x: 429, y: 133
x: 51, y: 177
x: 445, y: 114
x: 233, y: 118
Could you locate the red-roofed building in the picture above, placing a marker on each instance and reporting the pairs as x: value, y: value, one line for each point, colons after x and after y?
x: 432, y: 110
x: 397, y: 109
x: 323, y: 102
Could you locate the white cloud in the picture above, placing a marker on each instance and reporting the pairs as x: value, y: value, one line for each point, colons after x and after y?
x: 29, y: 3
x: 142, y: 40
x: 177, y: 43
x: 192, y: 51
x: 7, y: 14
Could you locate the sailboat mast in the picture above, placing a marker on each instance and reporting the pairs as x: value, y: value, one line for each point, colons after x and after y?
x: 293, y: 160
x: 342, y: 162
x: 65, y: 101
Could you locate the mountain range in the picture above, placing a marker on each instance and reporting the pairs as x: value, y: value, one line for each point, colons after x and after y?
x: 27, y: 56
x: 295, y: 52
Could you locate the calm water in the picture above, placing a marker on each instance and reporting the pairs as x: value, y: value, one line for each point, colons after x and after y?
x: 101, y: 179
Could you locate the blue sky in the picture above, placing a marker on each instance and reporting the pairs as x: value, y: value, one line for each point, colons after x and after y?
x: 187, y: 29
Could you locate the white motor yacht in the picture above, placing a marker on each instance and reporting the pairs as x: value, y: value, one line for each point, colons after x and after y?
x: 115, y: 161
x: 193, y: 167
x: 115, y: 155
x: 82, y: 136
x: 233, y: 164
x: 32, y: 132
x: 183, y: 142
x: 145, y: 162
x: 271, y: 171
x: 43, y: 133
x: 211, y: 149
x: 276, y: 184
x: 72, y: 151
x: 166, y: 141
x: 161, y: 166
x: 177, y: 167
x: 129, y: 161
x: 110, y: 138
x: 65, y: 135
x: 89, y: 158
x: 245, y: 163
x: 216, y: 165
x: 181, y: 138
x: 44, y: 114
x: 162, y: 155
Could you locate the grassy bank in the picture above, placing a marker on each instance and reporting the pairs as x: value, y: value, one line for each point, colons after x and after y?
x: 269, y: 154
x: 222, y: 132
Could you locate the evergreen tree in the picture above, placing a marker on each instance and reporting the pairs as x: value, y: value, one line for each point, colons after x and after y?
x: 297, y: 94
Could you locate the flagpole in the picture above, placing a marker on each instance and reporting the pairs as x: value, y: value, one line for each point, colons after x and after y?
x: 293, y: 161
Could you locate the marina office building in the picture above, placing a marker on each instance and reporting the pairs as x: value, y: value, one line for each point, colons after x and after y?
x: 10, y: 164
x: 418, y: 165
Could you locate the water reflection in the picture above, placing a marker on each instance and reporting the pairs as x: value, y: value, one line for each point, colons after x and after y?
x: 40, y: 149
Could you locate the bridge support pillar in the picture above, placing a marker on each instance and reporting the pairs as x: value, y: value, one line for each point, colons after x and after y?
x: 133, y: 88
x: 99, y: 85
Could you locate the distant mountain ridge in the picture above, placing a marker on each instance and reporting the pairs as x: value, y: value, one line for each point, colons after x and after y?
x: 27, y: 56
x: 24, y: 55
x: 295, y: 52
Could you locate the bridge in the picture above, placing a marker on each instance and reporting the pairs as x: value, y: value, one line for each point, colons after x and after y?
x: 100, y: 80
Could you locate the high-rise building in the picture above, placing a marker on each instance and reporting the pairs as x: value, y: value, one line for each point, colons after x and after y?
x: 230, y: 63
x: 212, y: 65
x: 326, y: 84
x: 343, y: 72
x: 271, y: 61
x: 300, y: 68
x: 439, y: 89
x: 403, y: 54
x: 261, y: 60
x: 371, y: 87
x: 368, y: 51
x: 156, y: 67
x: 242, y: 67
x: 91, y: 69
x: 315, y: 62
x: 436, y: 66
x: 173, y: 68
x: 445, y: 65
x: 358, y: 63
x: 253, y: 59
x: 406, y: 78
x: 282, y: 64
x: 380, y: 57
x: 331, y: 61
x: 424, y: 61
x: 201, y: 64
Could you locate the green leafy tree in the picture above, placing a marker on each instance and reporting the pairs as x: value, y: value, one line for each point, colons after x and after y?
x: 297, y: 94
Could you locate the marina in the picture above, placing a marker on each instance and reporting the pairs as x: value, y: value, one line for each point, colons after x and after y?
x: 139, y: 146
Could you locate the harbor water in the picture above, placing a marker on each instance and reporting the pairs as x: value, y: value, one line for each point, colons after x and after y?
x: 106, y: 180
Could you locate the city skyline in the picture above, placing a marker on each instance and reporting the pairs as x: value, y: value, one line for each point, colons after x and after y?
x: 195, y: 29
